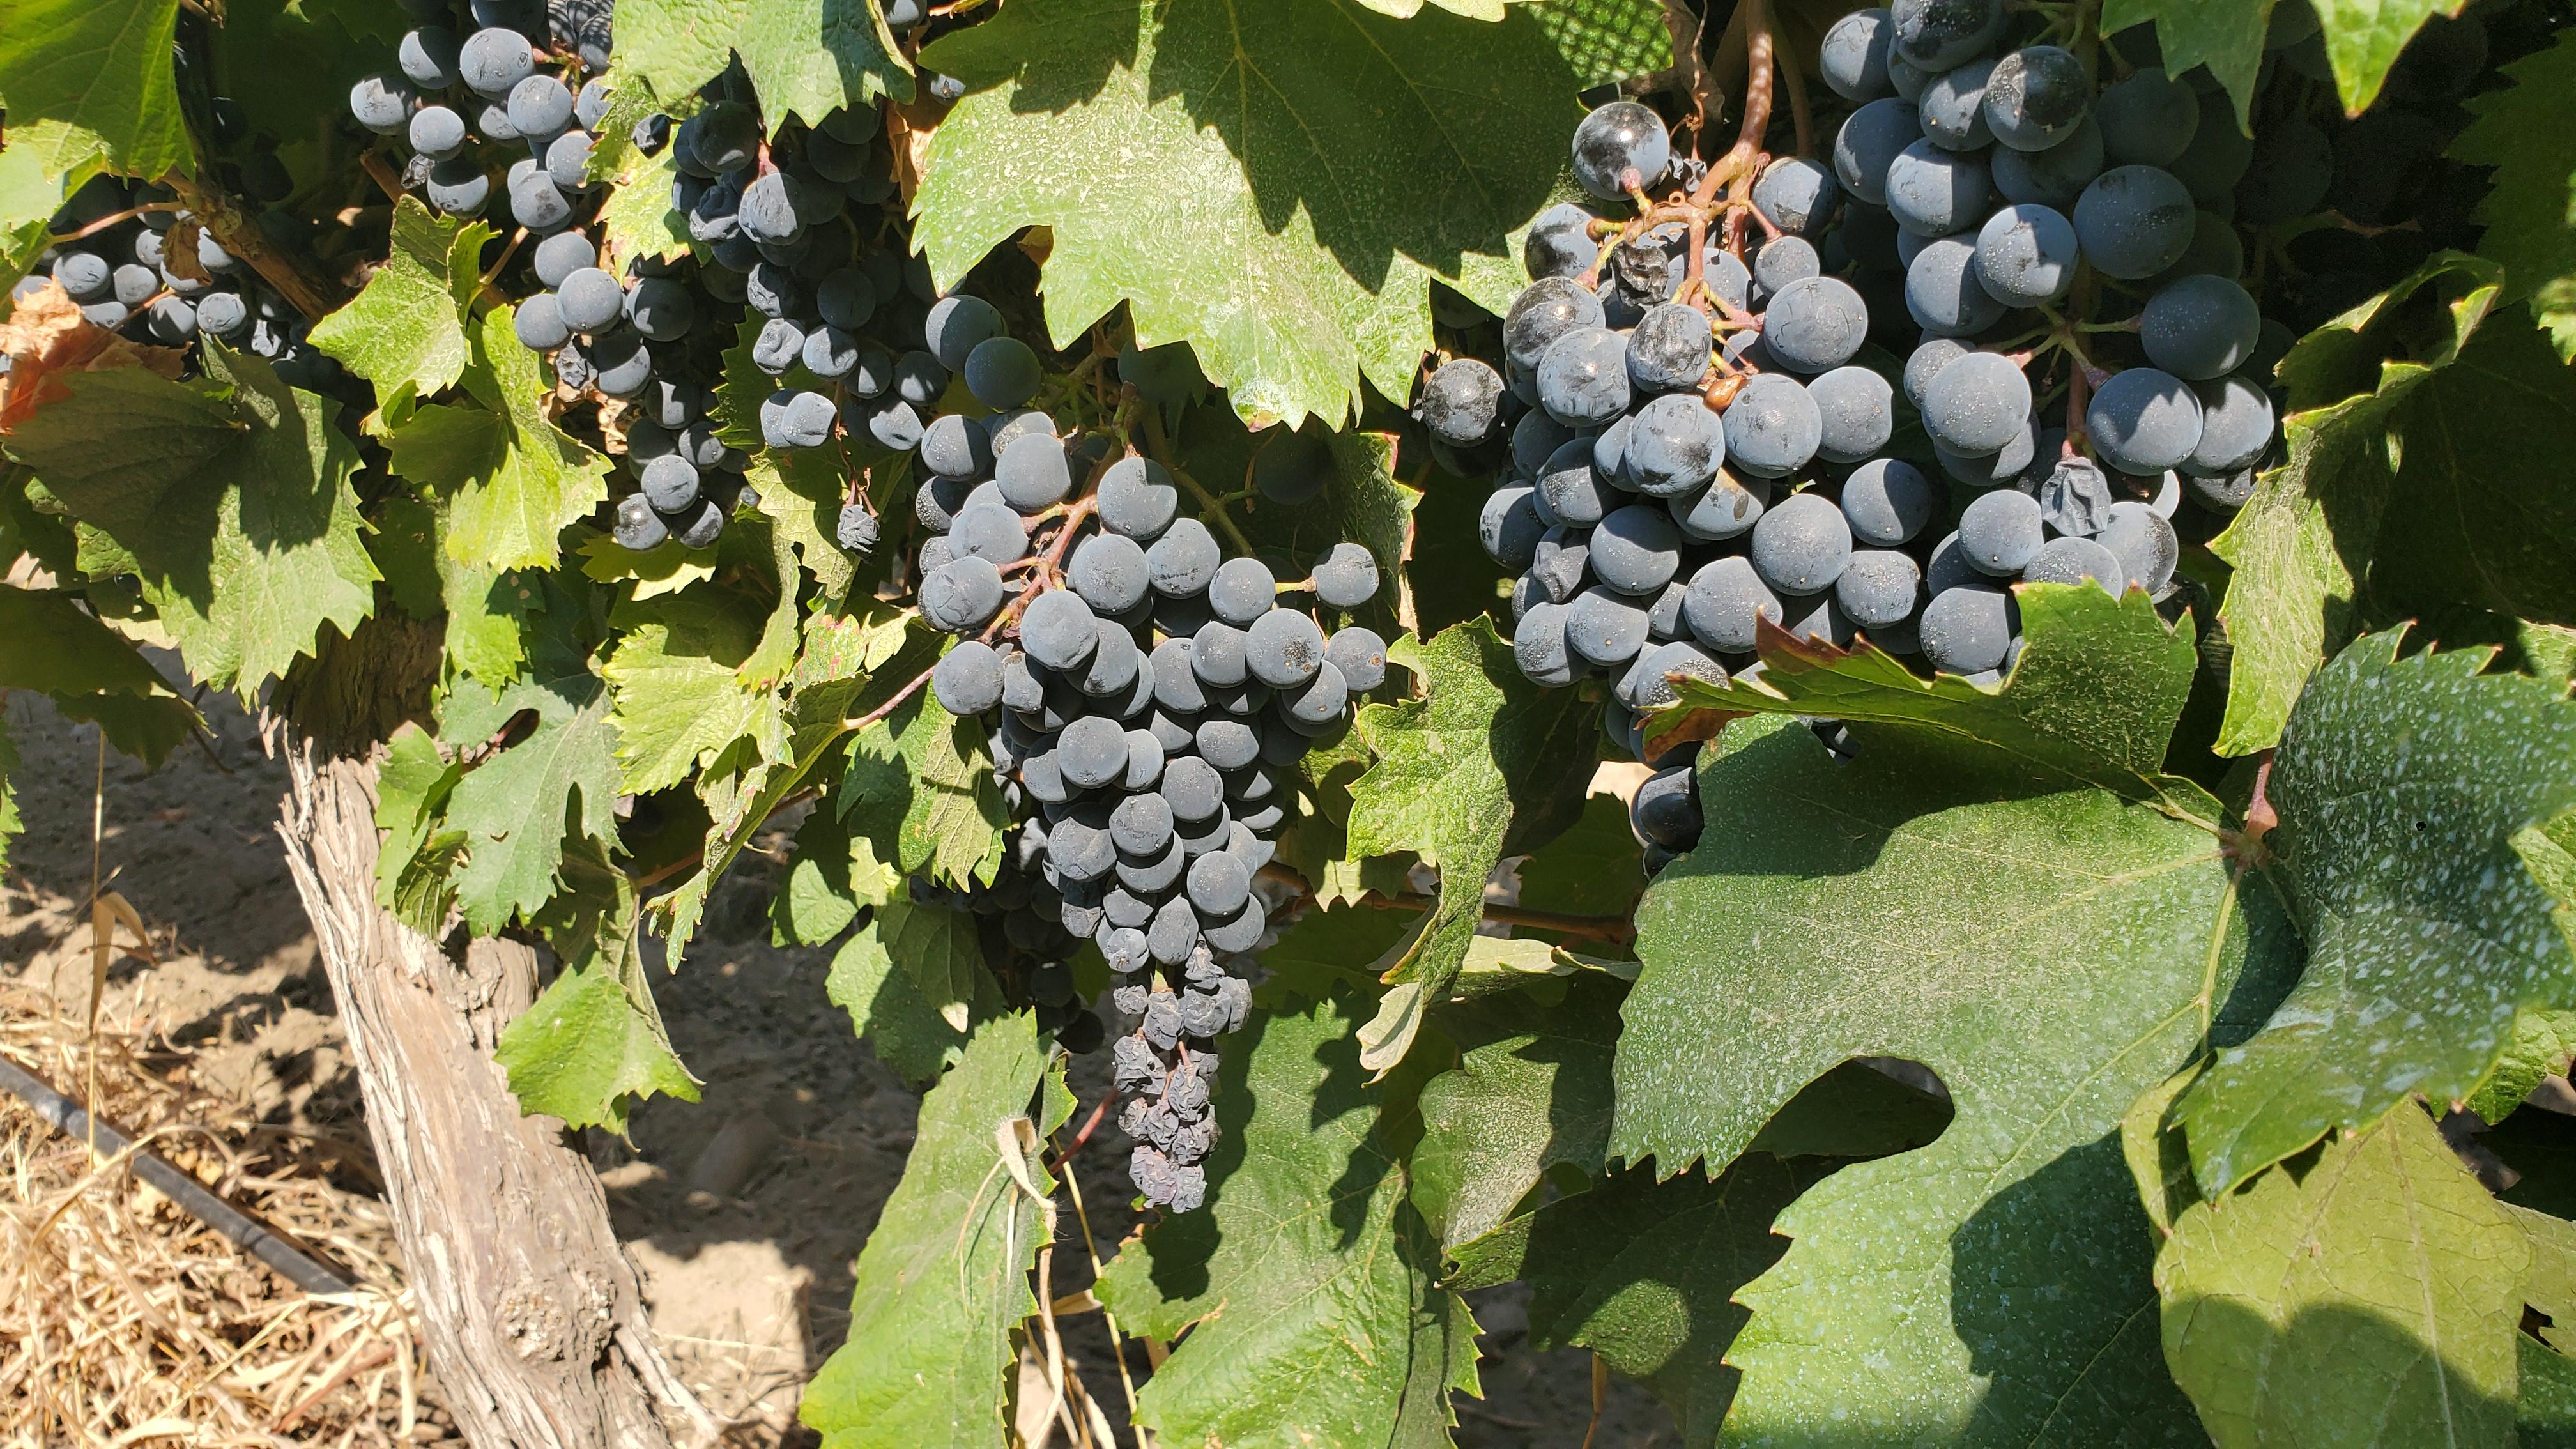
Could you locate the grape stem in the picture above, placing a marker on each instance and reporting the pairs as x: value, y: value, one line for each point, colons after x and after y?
x: 1685, y: 27
x: 1161, y: 449
x: 237, y: 232
x: 2077, y: 388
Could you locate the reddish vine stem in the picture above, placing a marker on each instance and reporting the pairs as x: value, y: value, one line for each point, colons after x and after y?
x: 2078, y: 387
x: 1801, y: 117
x: 1090, y: 1125
x: 112, y: 219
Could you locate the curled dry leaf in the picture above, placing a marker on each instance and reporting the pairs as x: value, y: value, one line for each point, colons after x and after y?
x: 47, y: 336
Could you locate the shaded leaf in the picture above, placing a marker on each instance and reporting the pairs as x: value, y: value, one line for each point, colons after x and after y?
x: 1643, y: 1273
x: 2489, y: 517
x: 920, y: 791
x: 1486, y: 762
x: 1535, y: 1096
x: 232, y: 497
x: 888, y: 1010
x: 2369, y: 1297
x: 2527, y: 131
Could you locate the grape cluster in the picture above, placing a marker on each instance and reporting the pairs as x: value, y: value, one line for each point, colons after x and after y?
x: 1148, y: 697
x: 457, y: 102
x: 1695, y: 445
x: 768, y: 217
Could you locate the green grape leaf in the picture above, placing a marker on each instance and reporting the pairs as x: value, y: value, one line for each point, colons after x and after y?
x: 498, y: 624
x: 2490, y: 519
x: 1307, y: 1274
x: 145, y: 726
x: 2545, y: 1407
x: 832, y: 682
x: 2400, y: 787
x: 232, y: 497
x: 1487, y: 762
x: 2051, y: 955
x: 800, y: 494
x: 410, y: 325
x: 806, y: 58
x: 591, y: 1044
x: 2370, y: 1298
x: 1285, y: 191
x: 677, y: 699
x: 88, y: 81
x: 2303, y: 543
x: 517, y: 806
x: 530, y: 480
x: 2527, y: 132
x: 2542, y: 1044
x: 944, y: 1279
x: 753, y: 545
x: 887, y: 1008
x: 920, y: 791
x: 29, y: 197
x: 832, y: 879
x: 1642, y: 1273
x: 413, y: 783
x: 939, y: 951
x: 2362, y: 38
x: 639, y: 219
x: 2093, y: 700
x: 1534, y: 1096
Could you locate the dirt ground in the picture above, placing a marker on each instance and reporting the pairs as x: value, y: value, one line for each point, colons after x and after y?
x: 744, y: 1211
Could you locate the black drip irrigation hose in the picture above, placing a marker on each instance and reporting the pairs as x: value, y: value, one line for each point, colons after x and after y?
x: 238, y: 1228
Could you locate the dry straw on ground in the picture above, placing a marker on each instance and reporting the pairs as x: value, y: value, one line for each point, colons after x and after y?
x: 125, y: 1321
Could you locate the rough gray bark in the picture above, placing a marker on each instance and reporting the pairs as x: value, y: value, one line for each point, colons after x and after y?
x: 530, y: 1311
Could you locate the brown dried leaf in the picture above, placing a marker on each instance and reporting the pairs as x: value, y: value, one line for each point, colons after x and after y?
x: 47, y: 336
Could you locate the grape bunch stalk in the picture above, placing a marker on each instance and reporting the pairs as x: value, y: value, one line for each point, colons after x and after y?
x: 1696, y: 452
x: 1148, y: 697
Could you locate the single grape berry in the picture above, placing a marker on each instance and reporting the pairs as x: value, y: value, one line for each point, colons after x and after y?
x: 1621, y: 147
